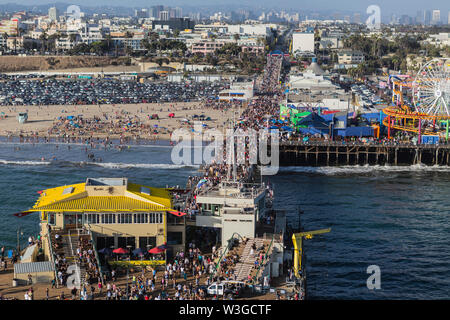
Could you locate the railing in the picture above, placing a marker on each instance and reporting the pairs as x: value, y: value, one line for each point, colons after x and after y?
x: 94, y: 247
x: 266, y: 257
x: 216, y: 268
x: 360, y: 143
x: 52, y: 259
x: 77, y: 264
x: 111, y: 229
x: 244, y: 190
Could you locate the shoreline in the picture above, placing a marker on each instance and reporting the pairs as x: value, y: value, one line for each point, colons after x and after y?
x: 114, y: 121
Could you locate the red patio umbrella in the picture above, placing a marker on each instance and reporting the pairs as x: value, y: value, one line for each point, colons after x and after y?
x: 120, y: 250
x: 156, y: 250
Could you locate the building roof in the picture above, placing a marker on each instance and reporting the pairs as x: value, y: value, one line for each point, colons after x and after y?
x: 33, y: 267
x: 103, y: 194
x: 315, y: 68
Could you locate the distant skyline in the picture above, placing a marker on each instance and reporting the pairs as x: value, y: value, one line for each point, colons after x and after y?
x: 388, y: 7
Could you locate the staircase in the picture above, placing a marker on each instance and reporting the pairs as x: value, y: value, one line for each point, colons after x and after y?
x: 247, y: 261
x: 69, y: 242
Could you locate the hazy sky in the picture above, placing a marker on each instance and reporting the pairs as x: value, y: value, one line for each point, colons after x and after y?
x: 387, y: 6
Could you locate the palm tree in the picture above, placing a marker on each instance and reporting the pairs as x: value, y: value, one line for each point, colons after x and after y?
x: 43, y: 37
x: 5, y: 38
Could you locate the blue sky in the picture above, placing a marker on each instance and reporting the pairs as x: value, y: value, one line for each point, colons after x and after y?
x: 387, y: 6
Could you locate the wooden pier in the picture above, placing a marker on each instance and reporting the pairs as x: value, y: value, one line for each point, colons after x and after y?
x: 320, y: 154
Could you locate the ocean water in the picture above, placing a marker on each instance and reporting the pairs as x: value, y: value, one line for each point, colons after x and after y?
x: 394, y: 217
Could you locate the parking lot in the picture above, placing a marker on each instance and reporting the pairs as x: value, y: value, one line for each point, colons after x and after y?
x: 100, y: 91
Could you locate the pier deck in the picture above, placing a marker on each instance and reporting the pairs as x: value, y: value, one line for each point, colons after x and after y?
x: 332, y: 154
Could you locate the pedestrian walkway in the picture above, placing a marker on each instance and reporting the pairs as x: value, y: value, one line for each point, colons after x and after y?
x: 246, y: 263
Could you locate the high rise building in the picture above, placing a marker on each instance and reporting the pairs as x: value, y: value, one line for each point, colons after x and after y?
x: 357, y: 18
x: 163, y: 15
x: 419, y: 17
x: 155, y: 10
x: 178, y: 12
x: 53, y: 14
x: 143, y: 13
x: 427, y: 17
x: 448, y: 19
x: 436, y: 17
x: 405, y: 19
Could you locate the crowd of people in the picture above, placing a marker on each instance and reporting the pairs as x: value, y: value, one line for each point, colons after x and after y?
x: 88, y: 260
x: 184, y: 277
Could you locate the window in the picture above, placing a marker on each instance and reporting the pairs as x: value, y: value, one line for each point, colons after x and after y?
x: 105, y: 242
x: 125, y: 218
x: 51, y: 218
x: 126, y: 242
x: 174, y: 238
x: 156, y: 217
x: 108, y: 218
x: 147, y: 242
x: 92, y: 218
x: 141, y: 218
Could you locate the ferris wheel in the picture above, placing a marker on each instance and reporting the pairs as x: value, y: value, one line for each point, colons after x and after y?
x: 431, y: 88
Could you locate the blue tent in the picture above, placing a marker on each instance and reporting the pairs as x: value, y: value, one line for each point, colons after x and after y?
x: 286, y: 128
x: 313, y: 120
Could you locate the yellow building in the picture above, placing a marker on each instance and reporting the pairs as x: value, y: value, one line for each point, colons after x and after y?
x: 117, y: 212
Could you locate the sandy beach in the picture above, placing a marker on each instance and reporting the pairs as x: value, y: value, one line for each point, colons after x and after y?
x: 43, y: 118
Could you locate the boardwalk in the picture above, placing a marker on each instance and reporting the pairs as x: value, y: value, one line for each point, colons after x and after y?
x: 332, y: 154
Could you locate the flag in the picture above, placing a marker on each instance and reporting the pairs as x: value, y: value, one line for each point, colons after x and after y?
x: 22, y: 214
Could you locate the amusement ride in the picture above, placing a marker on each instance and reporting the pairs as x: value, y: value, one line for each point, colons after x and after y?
x: 429, y: 112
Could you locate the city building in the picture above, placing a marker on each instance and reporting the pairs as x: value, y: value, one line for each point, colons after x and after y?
x: 143, y: 13
x: 242, y: 91
x: 232, y: 208
x: 118, y: 214
x: 53, y: 14
x: 251, y: 29
x: 302, y: 42
x: 155, y: 10
x: 163, y: 15
x: 440, y: 40
x: 173, y: 24
x: 427, y: 17
x: 436, y: 17
x: 350, y: 57
x: 10, y: 27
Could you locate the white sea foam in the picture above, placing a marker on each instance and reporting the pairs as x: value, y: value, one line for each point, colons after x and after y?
x: 119, y: 165
x: 365, y: 169
x: 25, y: 163
x: 109, y: 165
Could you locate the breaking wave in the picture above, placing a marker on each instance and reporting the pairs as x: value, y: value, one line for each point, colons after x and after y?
x: 108, y: 165
x: 364, y: 169
x: 25, y: 163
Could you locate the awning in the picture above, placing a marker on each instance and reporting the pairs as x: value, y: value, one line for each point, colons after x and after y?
x: 33, y: 267
x: 177, y: 213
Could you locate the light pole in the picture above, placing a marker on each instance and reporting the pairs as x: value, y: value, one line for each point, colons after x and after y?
x: 19, y: 234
